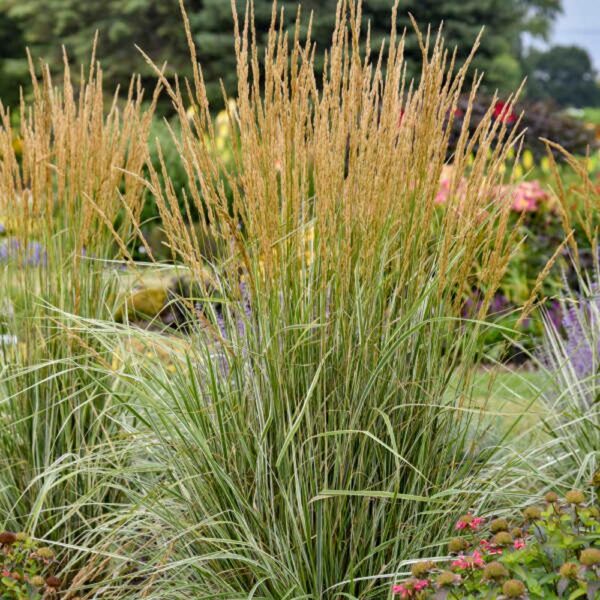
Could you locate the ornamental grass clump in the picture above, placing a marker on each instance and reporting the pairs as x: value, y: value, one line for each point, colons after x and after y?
x: 73, y: 188
x: 321, y: 429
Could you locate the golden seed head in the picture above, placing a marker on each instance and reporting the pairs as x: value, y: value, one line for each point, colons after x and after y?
x: 569, y: 570
x: 503, y: 538
x: 498, y: 525
x: 590, y: 557
x: 517, y: 532
x: 513, y: 588
x: 421, y: 568
x: 446, y: 578
x: 495, y: 570
x: 37, y: 581
x: 551, y: 497
x: 575, y: 497
x: 45, y: 552
x: 532, y: 513
x: 457, y: 545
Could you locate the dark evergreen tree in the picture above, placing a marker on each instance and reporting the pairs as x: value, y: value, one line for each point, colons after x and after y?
x: 13, y: 65
x: 156, y: 27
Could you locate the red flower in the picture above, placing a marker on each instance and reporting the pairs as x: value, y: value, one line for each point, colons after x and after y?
x: 503, y: 113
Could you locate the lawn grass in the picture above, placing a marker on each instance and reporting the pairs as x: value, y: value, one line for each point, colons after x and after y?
x: 509, y: 396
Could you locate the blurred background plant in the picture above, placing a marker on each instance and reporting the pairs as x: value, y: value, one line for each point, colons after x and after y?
x: 156, y: 28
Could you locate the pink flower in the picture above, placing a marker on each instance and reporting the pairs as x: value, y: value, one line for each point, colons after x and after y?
x: 527, y: 195
x: 443, y: 192
x: 469, y: 562
x: 400, y: 589
x: 470, y: 522
x: 519, y: 543
x: 410, y: 587
x: 5, y: 573
x: 489, y: 548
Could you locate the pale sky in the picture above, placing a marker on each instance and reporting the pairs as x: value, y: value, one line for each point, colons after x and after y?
x: 580, y: 25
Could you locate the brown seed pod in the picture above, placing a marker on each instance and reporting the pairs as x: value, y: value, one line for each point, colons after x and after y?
x: 7, y: 538
x: 53, y: 582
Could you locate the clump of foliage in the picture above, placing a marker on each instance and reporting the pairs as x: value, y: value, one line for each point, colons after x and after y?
x: 548, y: 553
x: 563, y: 74
x: 156, y: 28
x: 27, y: 570
x: 541, y: 119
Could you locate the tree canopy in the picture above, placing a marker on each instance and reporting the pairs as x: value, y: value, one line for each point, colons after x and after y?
x: 564, y: 74
x: 157, y: 28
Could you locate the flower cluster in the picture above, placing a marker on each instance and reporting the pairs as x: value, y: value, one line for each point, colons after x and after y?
x: 33, y: 254
x: 545, y: 552
x: 26, y: 569
x: 527, y: 196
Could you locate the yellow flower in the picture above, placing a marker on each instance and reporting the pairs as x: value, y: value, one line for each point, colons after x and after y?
x: 222, y: 119
x: 545, y: 164
x: 17, y: 145
x: 518, y: 171
x: 590, y: 165
x: 191, y: 111
x: 528, y: 161
x: 220, y: 143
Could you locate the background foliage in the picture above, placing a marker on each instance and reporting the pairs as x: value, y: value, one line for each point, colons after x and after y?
x: 156, y: 27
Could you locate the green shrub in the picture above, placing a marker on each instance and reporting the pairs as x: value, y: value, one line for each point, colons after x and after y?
x: 541, y: 119
x: 545, y: 553
x: 27, y: 570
